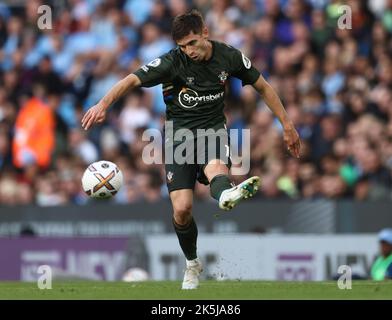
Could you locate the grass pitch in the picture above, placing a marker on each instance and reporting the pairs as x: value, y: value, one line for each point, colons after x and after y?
x: 209, y: 290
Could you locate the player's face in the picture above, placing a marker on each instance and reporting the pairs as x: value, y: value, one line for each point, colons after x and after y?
x: 195, y: 45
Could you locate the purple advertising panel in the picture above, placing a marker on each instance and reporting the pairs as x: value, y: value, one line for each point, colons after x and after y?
x: 72, y: 258
x: 295, y: 266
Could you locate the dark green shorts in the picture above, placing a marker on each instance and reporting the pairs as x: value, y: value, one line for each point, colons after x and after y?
x: 188, y: 159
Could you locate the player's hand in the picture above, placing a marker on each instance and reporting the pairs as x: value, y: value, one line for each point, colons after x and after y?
x: 95, y: 114
x: 291, y: 138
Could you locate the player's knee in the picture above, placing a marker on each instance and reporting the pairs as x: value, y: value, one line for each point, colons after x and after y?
x: 216, y: 164
x: 182, y: 213
x: 215, y: 167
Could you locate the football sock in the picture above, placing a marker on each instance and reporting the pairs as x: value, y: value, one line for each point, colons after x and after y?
x: 219, y: 183
x: 187, y: 236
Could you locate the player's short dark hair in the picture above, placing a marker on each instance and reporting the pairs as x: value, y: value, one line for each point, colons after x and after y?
x: 186, y: 23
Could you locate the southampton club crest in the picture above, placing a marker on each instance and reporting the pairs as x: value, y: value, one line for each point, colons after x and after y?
x: 169, y: 177
x: 223, y: 77
x: 190, y: 81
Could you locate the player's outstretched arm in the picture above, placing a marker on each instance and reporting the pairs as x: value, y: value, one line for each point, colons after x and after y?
x: 290, y: 134
x: 97, y: 113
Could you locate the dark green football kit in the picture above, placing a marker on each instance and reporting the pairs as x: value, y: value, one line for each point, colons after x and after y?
x: 194, y: 93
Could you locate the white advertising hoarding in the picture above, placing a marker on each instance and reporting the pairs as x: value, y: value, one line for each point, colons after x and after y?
x: 265, y: 257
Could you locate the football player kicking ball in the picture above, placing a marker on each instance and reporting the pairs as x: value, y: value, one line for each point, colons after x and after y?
x: 193, y: 77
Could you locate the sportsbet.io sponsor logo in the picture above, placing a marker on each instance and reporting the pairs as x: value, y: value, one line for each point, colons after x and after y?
x: 189, y: 98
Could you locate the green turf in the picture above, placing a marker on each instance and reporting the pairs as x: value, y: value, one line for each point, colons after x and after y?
x: 167, y: 290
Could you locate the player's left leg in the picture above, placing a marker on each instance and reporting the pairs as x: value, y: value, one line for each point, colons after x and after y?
x: 217, y: 174
x: 217, y: 150
x: 223, y: 190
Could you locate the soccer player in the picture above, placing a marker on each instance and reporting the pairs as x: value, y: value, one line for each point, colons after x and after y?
x: 193, y: 76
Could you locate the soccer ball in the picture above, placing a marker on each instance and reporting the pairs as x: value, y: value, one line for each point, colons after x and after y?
x: 102, y: 180
x: 135, y: 275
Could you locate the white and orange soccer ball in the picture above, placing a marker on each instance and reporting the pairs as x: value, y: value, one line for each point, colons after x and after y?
x: 102, y: 180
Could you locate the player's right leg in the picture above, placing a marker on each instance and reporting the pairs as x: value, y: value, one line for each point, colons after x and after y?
x: 180, y: 179
x: 186, y: 231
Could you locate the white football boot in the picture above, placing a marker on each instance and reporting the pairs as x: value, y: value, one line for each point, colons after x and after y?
x: 192, y: 273
x: 246, y: 189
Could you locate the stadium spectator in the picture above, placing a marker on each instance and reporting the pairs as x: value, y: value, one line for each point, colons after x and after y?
x: 34, y: 139
x: 382, y: 267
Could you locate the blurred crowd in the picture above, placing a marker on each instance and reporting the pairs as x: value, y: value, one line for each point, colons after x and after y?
x: 335, y: 82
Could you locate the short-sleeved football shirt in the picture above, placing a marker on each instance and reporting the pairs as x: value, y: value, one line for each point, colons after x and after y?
x: 194, y: 91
